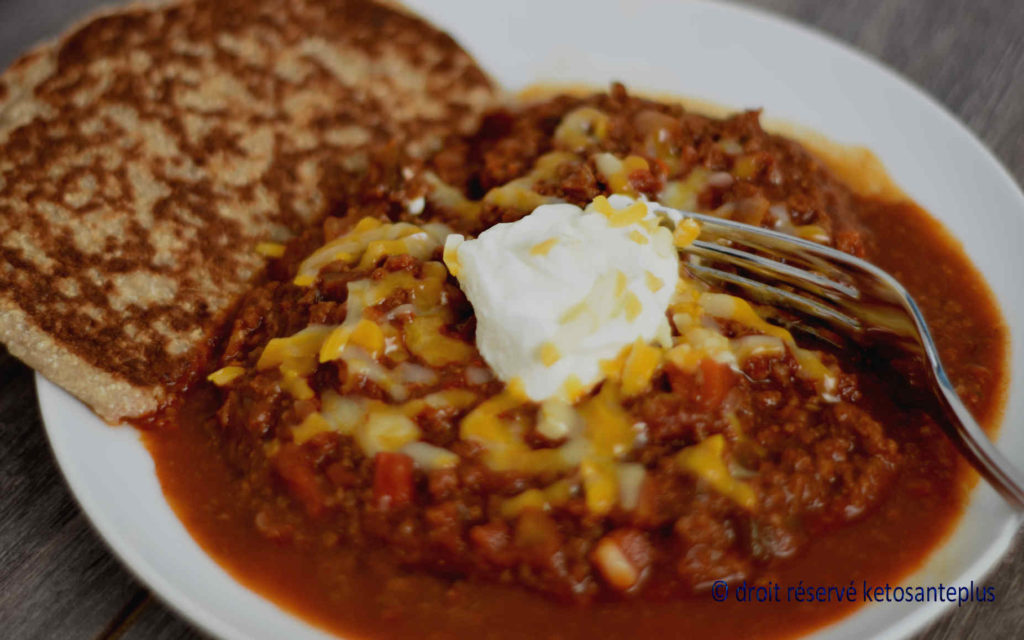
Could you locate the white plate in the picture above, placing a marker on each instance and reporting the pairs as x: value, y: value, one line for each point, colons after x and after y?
x: 722, y: 53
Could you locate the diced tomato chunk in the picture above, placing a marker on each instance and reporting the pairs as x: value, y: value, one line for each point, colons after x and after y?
x: 392, y: 480
x: 705, y: 387
x: 492, y: 541
x: 296, y: 470
x: 538, y: 538
x: 716, y: 380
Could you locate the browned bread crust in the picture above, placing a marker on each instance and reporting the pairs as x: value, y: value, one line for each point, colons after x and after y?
x: 143, y: 155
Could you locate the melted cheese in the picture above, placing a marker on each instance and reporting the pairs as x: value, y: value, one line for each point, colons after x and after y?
x: 641, y: 364
x: 225, y: 375
x: 430, y: 457
x: 270, y: 249
x: 581, y: 128
x: 538, y: 499
x: 609, y: 427
x: 683, y: 194
x: 519, y: 194
x: 424, y: 337
x: 705, y: 461
x: 313, y: 425
x: 448, y: 197
x: 368, y: 242
x: 722, y: 305
x: 617, y: 172
x: 296, y: 358
x: 600, y: 485
x: 686, y: 232
x: 594, y: 438
x: 386, y: 429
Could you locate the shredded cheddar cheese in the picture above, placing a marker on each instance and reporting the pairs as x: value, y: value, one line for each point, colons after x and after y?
x: 609, y: 427
x: 296, y: 357
x: 542, y: 248
x: 581, y: 128
x: 683, y: 194
x: 642, y: 362
x: 654, y: 283
x: 685, y: 233
x: 549, y: 354
x: 600, y: 485
x: 638, y: 237
x: 368, y: 242
x: 617, y: 172
x: 225, y: 375
x: 313, y: 425
x: 270, y: 249
x: 590, y: 439
x: 704, y: 460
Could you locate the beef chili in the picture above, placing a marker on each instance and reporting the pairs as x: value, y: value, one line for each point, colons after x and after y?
x: 354, y: 458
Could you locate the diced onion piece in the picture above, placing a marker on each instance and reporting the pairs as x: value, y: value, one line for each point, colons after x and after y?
x: 556, y: 419
x: 614, y: 565
x: 386, y: 430
x: 343, y: 413
x: 631, y: 479
x: 409, y: 373
x: 751, y: 346
x: 450, y: 399
x: 478, y: 375
x: 430, y: 458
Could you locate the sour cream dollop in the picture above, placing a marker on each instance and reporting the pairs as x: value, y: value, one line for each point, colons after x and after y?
x: 563, y: 289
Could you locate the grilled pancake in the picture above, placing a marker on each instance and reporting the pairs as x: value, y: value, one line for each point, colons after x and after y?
x: 144, y: 154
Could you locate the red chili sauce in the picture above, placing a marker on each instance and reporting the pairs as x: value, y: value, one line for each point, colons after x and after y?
x: 860, y: 488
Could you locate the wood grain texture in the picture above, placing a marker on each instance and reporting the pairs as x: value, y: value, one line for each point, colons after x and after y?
x: 57, y: 580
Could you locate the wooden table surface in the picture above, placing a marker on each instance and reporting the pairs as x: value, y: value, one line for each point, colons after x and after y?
x: 57, y: 579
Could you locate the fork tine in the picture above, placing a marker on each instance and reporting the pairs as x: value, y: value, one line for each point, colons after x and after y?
x: 797, y: 251
x: 833, y: 278
x: 878, y: 311
x: 883, y: 309
x: 818, y: 295
x: 768, y: 294
x: 810, y: 281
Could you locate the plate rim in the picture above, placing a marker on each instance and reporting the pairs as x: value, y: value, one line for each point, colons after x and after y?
x: 196, y: 613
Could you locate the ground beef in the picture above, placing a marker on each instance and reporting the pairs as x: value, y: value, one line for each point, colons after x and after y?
x: 814, y: 465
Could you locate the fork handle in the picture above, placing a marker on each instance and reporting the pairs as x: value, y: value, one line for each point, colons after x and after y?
x: 975, y: 445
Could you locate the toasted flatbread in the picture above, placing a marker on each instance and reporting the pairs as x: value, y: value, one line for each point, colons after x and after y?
x: 144, y: 154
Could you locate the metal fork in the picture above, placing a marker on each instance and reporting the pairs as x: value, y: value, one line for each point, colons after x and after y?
x: 847, y: 296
